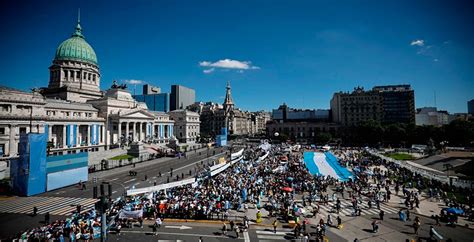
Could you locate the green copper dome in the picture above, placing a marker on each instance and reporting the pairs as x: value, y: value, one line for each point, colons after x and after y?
x: 76, y: 48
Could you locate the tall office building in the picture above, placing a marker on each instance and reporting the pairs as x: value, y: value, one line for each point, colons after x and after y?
x: 356, y: 107
x: 155, y: 101
x: 470, y: 107
x: 384, y: 104
x: 181, y: 97
x: 398, y: 103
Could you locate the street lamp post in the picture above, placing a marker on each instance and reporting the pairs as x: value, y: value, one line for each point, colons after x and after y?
x: 448, y: 167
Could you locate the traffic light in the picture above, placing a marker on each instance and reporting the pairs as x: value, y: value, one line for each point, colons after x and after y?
x: 110, y: 189
x: 102, y: 189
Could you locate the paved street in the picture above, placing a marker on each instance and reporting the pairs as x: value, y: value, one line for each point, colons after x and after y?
x: 62, y: 202
x: 121, y: 179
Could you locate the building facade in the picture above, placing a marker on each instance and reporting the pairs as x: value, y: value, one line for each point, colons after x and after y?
x: 356, y: 107
x: 383, y: 104
x: 301, y: 131
x: 214, y: 117
x: 284, y: 113
x: 181, y: 97
x: 398, y: 103
x: 470, y: 107
x: 74, y: 112
x: 154, y: 99
x: 186, y: 125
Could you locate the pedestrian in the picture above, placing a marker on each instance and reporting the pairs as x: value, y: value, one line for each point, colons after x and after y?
x: 375, y: 226
x: 158, y: 222
x: 154, y: 229
x: 339, y: 222
x: 381, y: 214
x: 35, y: 211
x: 46, y: 218
x: 237, y: 230
x: 232, y: 224
x: 275, y: 224
x: 224, y: 229
x: 329, y: 221
x: 408, y: 215
x: 416, y: 225
x: 436, y: 217
x: 146, y: 177
x: 200, y: 239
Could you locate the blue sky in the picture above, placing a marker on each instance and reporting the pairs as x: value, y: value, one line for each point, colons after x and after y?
x: 298, y: 52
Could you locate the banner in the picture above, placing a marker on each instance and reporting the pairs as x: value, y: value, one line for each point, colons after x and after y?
x: 237, y: 154
x: 131, y: 214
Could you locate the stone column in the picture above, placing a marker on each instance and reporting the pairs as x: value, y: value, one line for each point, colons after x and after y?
x: 64, y: 136
x: 152, y: 130
x: 88, y: 135
x: 78, y: 141
x: 135, y: 131
x: 50, y: 133
x: 140, y: 128
x: 119, y: 131
x: 13, y: 149
x: 103, y: 133
x: 127, y: 132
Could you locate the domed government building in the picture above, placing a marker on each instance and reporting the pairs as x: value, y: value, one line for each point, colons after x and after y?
x: 75, y: 114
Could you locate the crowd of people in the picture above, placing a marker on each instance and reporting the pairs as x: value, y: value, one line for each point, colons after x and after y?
x: 271, y: 184
x: 84, y: 226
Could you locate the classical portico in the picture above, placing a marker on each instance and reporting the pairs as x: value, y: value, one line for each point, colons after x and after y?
x: 140, y: 126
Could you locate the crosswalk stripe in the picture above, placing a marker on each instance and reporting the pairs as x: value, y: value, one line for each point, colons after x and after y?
x: 7, y: 206
x: 86, y: 204
x: 29, y: 207
x: 70, y: 205
x: 271, y: 237
x: 271, y: 232
x: 58, y: 204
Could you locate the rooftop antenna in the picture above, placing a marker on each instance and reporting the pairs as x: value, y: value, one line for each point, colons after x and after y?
x: 79, y: 15
x: 435, y: 99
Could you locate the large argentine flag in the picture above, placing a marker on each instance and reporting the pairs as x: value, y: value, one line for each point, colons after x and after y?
x: 318, y: 163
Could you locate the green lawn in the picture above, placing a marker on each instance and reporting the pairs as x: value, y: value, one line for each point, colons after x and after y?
x: 400, y: 156
x: 121, y: 157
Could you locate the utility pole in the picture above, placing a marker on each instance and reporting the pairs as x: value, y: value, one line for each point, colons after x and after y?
x: 103, y: 205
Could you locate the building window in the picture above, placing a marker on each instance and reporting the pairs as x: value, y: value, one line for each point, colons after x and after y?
x: 2, y: 130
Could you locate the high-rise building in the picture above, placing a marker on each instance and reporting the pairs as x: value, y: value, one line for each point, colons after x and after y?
x: 383, y: 104
x: 181, y: 97
x: 154, y: 100
x: 149, y: 89
x: 356, y: 107
x: 470, y: 107
x: 398, y: 103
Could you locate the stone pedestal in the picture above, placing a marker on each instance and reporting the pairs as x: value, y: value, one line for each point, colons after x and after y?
x: 137, y: 150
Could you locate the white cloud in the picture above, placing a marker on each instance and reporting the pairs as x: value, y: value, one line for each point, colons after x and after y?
x: 134, y: 82
x: 207, y: 71
x: 418, y: 42
x: 435, y: 60
x: 229, y: 64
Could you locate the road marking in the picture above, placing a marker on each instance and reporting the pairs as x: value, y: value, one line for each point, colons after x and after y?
x: 178, y: 227
x: 180, y: 234
x: 114, y: 179
x: 138, y: 183
x: 133, y: 179
x: 271, y: 232
x: 246, y: 236
x: 114, y: 192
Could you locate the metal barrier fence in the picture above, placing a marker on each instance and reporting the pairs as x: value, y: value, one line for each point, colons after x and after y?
x: 453, y: 180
